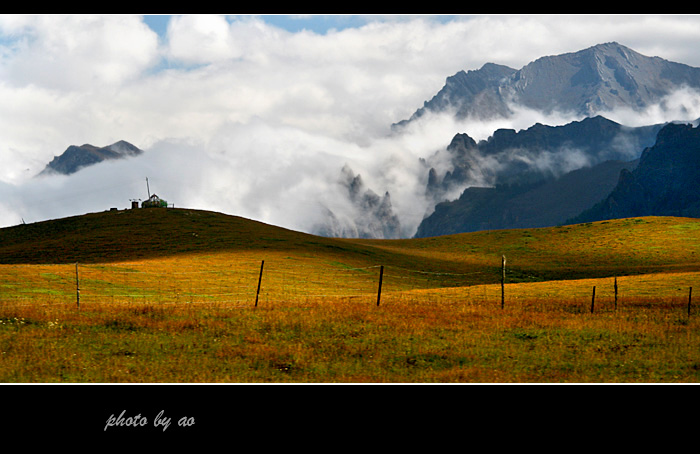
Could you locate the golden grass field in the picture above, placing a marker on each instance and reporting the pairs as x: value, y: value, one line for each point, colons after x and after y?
x: 169, y: 296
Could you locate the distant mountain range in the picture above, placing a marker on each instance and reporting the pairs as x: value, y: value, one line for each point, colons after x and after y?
x: 545, y: 175
x: 539, y: 152
x: 586, y: 83
x: 537, y: 177
x: 547, y: 203
x: 77, y: 157
x: 586, y: 170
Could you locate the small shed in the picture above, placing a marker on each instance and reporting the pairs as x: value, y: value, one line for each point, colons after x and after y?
x: 154, y: 202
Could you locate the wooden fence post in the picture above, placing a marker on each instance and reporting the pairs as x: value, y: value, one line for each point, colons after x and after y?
x: 257, y: 294
x: 593, y: 299
x: 77, y: 287
x: 379, y: 291
x: 690, y: 297
x: 615, y: 293
x: 503, y: 281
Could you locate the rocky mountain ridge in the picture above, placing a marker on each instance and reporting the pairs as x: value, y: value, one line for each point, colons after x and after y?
x: 519, y: 179
x: 536, y: 177
x: 586, y: 83
x: 76, y: 157
x: 535, y: 154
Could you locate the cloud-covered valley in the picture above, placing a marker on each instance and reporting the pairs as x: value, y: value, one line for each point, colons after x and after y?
x: 239, y: 116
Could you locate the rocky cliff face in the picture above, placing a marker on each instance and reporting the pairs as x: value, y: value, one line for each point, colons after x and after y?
x: 77, y: 157
x: 532, y: 178
x: 540, y: 204
x: 535, y: 154
x: 470, y: 93
x: 665, y: 183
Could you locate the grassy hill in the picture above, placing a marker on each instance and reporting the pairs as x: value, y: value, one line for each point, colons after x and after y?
x: 597, y: 249
x: 138, y: 234
x: 607, y: 248
x: 169, y: 295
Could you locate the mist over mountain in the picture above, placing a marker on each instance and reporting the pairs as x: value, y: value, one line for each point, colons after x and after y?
x: 585, y: 83
x: 535, y: 154
x: 470, y: 93
x: 665, y: 183
x: 544, y: 175
x: 536, y: 177
x: 417, y: 181
x: 76, y: 157
x: 541, y: 204
x: 372, y: 216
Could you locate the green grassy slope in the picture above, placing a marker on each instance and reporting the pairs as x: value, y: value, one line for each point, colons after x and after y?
x: 598, y: 249
x: 142, y: 234
x: 619, y: 247
x: 158, y: 233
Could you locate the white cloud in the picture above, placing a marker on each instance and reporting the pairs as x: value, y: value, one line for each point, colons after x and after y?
x: 200, y: 39
x: 682, y: 104
x: 76, y: 52
x: 256, y: 118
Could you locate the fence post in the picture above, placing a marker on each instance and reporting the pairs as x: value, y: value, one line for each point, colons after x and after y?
x: 257, y: 294
x: 77, y: 287
x: 503, y: 281
x: 615, y: 293
x: 379, y: 291
x: 690, y: 297
x: 593, y: 299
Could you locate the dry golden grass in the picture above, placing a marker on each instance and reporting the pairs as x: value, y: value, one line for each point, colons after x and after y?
x: 190, y: 316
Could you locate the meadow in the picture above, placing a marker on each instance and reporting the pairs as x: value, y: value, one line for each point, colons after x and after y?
x: 171, y: 296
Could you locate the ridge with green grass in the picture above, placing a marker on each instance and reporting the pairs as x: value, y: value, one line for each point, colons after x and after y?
x: 598, y: 249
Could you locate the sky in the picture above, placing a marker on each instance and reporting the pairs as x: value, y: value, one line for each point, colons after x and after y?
x: 256, y: 115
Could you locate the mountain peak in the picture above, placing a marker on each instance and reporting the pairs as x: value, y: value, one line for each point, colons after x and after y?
x: 124, y: 148
x: 598, y: 79
x: 606, y: 47
x: 587, y: 82
x: 77, y: 157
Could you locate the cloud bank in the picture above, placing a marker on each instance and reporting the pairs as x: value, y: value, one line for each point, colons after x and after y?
x: 243, y: 117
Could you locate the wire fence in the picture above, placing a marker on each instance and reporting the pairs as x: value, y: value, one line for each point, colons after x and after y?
x: 253, y: 282
x: 247, y: 282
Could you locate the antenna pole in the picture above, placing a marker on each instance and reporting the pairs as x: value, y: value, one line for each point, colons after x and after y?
x: 148, y: 188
